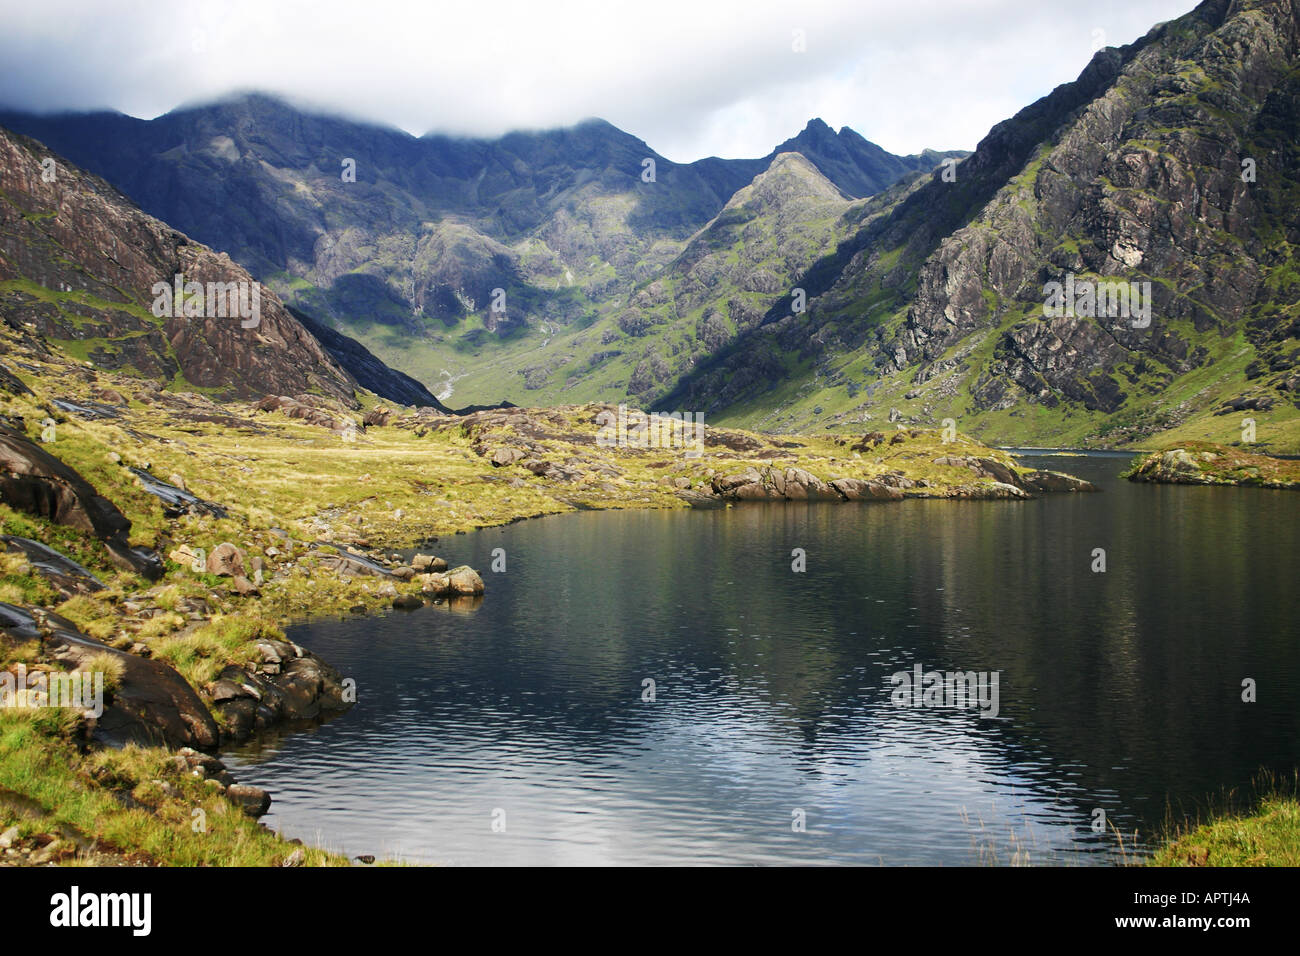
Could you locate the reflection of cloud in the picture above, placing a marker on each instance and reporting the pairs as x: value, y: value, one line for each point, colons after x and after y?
x: 711, y: 776
x: 692, y: 79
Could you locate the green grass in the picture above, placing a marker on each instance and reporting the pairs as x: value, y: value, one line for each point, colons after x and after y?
x: 84, y: 792
x: 1267, y: 835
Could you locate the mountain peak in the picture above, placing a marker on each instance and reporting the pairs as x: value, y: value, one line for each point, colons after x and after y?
x: 817, y: 131
x: 789, y: 177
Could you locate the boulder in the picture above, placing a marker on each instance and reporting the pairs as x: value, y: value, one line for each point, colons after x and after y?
x: 226, y: 560
x: 225, y: 689
x: 245, y: 587
x: 507, y: 456
x: 754, y: 491
x: 725, y: 484
x: 856, y: 489
x: 988, y: 468
x: 1047, y: 481
x: 252, y: 800
x: 436, y: 583
x: 465, y: 581
x: 187, y: 557
x: 796, y: 484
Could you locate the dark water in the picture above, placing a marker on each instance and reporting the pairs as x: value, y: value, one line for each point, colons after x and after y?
x: 1118, y: 691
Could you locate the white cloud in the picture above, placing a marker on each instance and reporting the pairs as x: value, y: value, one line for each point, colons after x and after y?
x: 691, y: 77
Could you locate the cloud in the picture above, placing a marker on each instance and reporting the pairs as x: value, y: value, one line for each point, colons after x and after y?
x: 690, y: 77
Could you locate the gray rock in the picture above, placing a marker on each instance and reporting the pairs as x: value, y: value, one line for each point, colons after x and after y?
x: 856, y: 489
x: 252, y: 800
x: 69, y: 577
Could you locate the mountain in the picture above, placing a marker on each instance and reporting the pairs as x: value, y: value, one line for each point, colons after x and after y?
x: 409, y: 257
x: 1171, y: 161
x: 542, y: 267
x: 720, y: 285
x: 858, y: 167
x: 81, y: 266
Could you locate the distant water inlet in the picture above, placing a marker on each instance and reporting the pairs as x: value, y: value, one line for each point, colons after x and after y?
x: 936, y: 682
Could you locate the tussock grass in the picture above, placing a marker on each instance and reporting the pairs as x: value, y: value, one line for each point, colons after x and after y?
x: 93, y: 617
x: 201, y: 653
x: 107, y: 664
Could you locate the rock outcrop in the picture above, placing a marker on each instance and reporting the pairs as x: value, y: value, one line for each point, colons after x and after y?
x: 67, y: 576
x: 288, y: 684
x: 33, y: 480
x: 1202, y: 463
x: 150, y: 703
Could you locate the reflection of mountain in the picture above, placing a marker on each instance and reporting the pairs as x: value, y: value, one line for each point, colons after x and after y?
x: 1116, y: 690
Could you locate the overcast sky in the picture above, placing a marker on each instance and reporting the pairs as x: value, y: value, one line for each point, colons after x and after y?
x: 692, y: 78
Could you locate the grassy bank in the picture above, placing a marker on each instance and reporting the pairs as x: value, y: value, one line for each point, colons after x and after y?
x: 136, y: 806
x: 1268, y: 835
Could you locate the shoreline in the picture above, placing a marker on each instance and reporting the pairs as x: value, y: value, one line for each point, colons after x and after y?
x: 408, y: 480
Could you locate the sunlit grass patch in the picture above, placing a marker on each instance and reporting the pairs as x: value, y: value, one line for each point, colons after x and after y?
x: 1267, y: 835
x: 173, y: 818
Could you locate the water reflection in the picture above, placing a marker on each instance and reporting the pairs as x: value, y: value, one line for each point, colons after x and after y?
x: 1118, y: 691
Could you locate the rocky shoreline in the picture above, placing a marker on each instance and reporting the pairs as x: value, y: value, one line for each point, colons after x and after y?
x: 1204, y: 463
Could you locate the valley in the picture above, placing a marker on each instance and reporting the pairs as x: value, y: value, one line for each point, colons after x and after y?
x: 369, y: 472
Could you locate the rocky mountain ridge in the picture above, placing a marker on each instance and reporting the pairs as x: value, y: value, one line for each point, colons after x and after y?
x: 1170, y: 161
x: 453, y: 259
